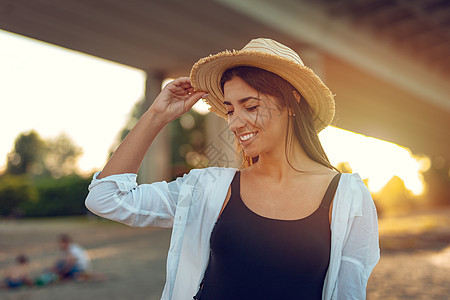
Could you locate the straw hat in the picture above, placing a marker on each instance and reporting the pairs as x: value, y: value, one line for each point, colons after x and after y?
x: 272, y: 56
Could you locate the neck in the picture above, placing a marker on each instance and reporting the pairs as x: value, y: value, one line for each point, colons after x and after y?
x: 276, y: 165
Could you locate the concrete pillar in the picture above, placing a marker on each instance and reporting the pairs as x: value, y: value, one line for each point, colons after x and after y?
x: 156, y: 164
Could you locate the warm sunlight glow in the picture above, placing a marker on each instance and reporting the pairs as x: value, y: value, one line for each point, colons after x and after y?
x: 54, y: 90
x: 374, y: 159
x: 201, y: 107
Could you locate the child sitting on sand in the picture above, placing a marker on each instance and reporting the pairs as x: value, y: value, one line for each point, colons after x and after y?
x: 73, y: 262
x: 18, y: 274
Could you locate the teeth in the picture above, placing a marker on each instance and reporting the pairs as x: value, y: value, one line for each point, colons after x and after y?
x: 247, y: 136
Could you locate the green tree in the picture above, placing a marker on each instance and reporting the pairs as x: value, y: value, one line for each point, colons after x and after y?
x: 37, y: 157
x: 27, y: 156
x: 61, y: 156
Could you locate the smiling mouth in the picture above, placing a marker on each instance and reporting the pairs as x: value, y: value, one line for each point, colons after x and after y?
x: 247, y: 137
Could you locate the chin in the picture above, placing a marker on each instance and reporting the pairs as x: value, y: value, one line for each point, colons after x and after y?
x: 251, y: 153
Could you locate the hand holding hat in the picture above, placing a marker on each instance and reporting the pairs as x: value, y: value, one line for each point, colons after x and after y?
x: 175, y: 99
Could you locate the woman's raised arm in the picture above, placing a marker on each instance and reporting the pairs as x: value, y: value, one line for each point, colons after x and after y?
x: 174, y: 100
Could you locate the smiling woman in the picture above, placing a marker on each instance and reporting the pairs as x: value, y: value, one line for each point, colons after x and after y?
x: 286, y: 198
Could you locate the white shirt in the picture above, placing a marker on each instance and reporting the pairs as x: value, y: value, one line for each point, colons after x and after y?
x: 191, y: 205
x: 82, y: 260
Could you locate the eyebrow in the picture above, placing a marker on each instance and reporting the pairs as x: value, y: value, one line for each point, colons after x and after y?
x: 241, y: 100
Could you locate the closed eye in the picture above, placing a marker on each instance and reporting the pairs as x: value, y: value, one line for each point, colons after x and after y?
x: 252, y: 108
x: 249, y: 109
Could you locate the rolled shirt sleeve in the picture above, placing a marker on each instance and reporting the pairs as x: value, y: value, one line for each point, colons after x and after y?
x: 360, y: 251
x: 120, y: 198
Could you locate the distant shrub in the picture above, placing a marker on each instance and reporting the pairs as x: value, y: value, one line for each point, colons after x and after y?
x: 58, y: 197
x: 15, y: 192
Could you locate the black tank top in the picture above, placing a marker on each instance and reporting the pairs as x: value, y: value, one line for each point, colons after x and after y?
x: 254, y: 257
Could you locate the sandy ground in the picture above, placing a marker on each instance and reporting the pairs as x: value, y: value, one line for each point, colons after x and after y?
x: 411, y: 275
x: 133, y: 261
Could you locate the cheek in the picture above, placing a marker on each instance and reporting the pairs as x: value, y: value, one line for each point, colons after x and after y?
x: 263, y: 116
x: 268, y: 116
x: 244, y: 119
x: 254, y: 119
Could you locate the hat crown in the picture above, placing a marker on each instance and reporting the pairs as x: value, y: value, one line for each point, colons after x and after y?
x: 272, y: 47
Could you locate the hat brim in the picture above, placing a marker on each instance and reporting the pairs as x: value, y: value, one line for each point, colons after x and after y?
x: 207, y: 73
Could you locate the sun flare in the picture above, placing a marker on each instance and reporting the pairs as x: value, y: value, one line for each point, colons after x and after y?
x: 375, y: 159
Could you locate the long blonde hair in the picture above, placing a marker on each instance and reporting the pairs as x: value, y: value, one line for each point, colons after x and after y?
x: 302, y: 125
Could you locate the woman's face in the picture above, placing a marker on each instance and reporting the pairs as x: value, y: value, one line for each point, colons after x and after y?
x: 257, y: 120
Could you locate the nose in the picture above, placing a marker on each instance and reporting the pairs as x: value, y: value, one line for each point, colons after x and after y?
x: 236, y: 121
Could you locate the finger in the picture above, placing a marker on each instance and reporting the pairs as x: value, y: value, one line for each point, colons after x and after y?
x: 182, y: 86
x: 177, y: 90
x: 185, y: 85
x: 176, y: 84
x: 183, y: 92
x: 193, y: 99
x: 182, y: 81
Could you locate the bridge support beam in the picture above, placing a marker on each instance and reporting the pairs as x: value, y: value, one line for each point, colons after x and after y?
x: 156, y: 164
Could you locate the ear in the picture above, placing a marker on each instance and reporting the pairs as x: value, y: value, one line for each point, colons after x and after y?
x: 290, y: 112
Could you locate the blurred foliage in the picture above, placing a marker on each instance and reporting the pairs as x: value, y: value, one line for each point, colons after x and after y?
x: 15, y: 192
x: 61, y: 156
x: 24, y: 196
x: 35, y: 156
x: 58, y: 197
x: 40, y: 178
x: 27, y: 156
x: 187, y: 142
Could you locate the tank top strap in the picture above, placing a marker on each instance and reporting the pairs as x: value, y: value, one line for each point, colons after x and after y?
x: 236, y: 184
x: 331, y: 190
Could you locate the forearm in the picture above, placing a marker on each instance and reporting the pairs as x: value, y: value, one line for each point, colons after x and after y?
x: 130, y: 154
